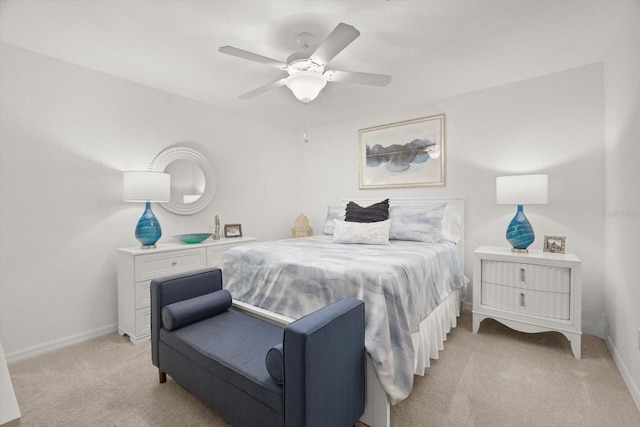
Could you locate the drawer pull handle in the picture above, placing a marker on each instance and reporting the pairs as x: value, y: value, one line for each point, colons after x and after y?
x: 523, y: 275
x: 174, y: 263
x: 522, y: 301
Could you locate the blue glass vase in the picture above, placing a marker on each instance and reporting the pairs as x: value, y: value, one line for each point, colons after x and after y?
x: 520, y: 232
x: 148, y: 230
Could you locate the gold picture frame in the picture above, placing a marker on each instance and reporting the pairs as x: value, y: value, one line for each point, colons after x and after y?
x: 554, y: 244
x: 410, y: 153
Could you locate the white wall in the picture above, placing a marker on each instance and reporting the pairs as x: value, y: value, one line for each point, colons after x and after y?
x: 622, y: 208
x: 68, y: 132
x: 66, y: 135
x: 552, y: 124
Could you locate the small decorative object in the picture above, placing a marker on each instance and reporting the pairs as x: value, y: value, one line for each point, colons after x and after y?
x: 554, y: 244
x: 216, y: 232
x: 404, y: 154
x: 232, y: 230
x: 147, y: 187
x: 520, y: 190
x: 301, y: 227
x: 193, y: 237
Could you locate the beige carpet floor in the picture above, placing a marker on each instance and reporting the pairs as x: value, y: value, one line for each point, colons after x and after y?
x: 498, y: 377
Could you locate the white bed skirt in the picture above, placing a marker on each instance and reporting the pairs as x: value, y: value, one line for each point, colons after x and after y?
x: 427, y: 342
x: 433, y: 332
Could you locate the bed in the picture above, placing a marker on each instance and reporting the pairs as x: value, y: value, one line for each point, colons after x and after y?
x: 411, y: 284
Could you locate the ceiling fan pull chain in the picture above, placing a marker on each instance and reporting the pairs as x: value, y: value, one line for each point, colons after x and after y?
x: 304, y: 124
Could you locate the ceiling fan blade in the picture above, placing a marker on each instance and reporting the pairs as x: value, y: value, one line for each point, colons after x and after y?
x: 263, y: 89
x: 358, y: 78
x: 340, y: 37
x: 245, y: 54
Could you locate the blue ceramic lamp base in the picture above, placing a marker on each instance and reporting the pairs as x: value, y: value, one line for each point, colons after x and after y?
x: 148, y: 230
x: 520, y: 232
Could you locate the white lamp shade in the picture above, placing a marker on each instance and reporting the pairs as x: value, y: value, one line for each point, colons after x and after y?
x: 522, y: 189
x: 306, y: 85
x: 146, y: 186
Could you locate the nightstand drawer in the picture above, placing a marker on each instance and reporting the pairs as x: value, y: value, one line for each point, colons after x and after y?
x: 163, y: 264
x: 527, y: 276
x: 535, y: 303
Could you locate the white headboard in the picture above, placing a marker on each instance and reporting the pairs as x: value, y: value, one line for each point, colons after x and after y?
x: 456, y: 202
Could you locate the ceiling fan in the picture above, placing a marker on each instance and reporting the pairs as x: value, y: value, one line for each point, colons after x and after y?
x: 307, y: 74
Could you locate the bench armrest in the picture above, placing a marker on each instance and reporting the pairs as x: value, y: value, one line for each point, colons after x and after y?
x: 324, y: 359
x: 170, y: 289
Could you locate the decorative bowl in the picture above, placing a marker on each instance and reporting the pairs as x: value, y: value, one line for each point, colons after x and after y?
x: 193, y: 237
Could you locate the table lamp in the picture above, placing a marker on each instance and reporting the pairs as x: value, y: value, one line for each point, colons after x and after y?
x: 147, y: 186
x: 521, y: 190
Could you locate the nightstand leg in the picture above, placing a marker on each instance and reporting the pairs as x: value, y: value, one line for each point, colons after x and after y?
x: 576, y: 345
x: 476, y: 323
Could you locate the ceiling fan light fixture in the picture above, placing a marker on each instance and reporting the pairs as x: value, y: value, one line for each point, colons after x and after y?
x: 306, y: 85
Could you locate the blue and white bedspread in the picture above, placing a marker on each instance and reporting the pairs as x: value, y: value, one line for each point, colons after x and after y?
x: 400, y: 283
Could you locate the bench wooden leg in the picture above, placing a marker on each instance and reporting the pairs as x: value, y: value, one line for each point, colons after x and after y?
x: 162, y: 377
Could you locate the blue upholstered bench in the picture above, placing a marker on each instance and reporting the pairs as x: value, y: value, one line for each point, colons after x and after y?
x: 254, y: 373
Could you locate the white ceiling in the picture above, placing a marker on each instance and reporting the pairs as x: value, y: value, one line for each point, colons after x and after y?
x: 433, y: 49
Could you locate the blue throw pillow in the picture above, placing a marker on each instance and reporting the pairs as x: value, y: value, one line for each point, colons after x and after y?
x: 275, y: 364
x: 183, y: 313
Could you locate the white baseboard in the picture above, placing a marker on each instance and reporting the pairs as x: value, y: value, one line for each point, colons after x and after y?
x: 626, y: 376
x: 36, y: 350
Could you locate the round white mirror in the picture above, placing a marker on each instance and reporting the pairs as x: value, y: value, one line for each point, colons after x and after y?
x: 193, y: 182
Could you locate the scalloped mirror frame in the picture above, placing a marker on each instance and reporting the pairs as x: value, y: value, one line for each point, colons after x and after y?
x: 168, y: 155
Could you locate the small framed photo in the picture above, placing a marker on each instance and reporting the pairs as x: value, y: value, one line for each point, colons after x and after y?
x: 232, y: 230
x: 554, y: 244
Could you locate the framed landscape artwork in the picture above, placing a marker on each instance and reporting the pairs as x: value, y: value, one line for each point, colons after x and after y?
x: 403, y: 154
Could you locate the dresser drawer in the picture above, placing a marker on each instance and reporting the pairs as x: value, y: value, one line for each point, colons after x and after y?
x: 527, y: 276
x: 214, y: 256
x: 150, y: 266
x: 143, y: 322
x: 215, y: 253
x: 526, y: 301
x: 143, y: 294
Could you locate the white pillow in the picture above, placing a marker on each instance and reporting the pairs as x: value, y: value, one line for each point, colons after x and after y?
x: 420, y: 223
x: 368, y: 233
x: 333, y: 212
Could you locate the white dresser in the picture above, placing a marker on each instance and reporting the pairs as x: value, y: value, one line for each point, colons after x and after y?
x: 137, y: 267
x: 529, y: 292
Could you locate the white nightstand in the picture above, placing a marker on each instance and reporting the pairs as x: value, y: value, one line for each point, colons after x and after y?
x: 529, y: 292
x: 137, y: 267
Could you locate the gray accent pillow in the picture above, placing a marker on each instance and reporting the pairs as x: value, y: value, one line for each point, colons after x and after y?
x: 420, y: 223
x: 451, y: 224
